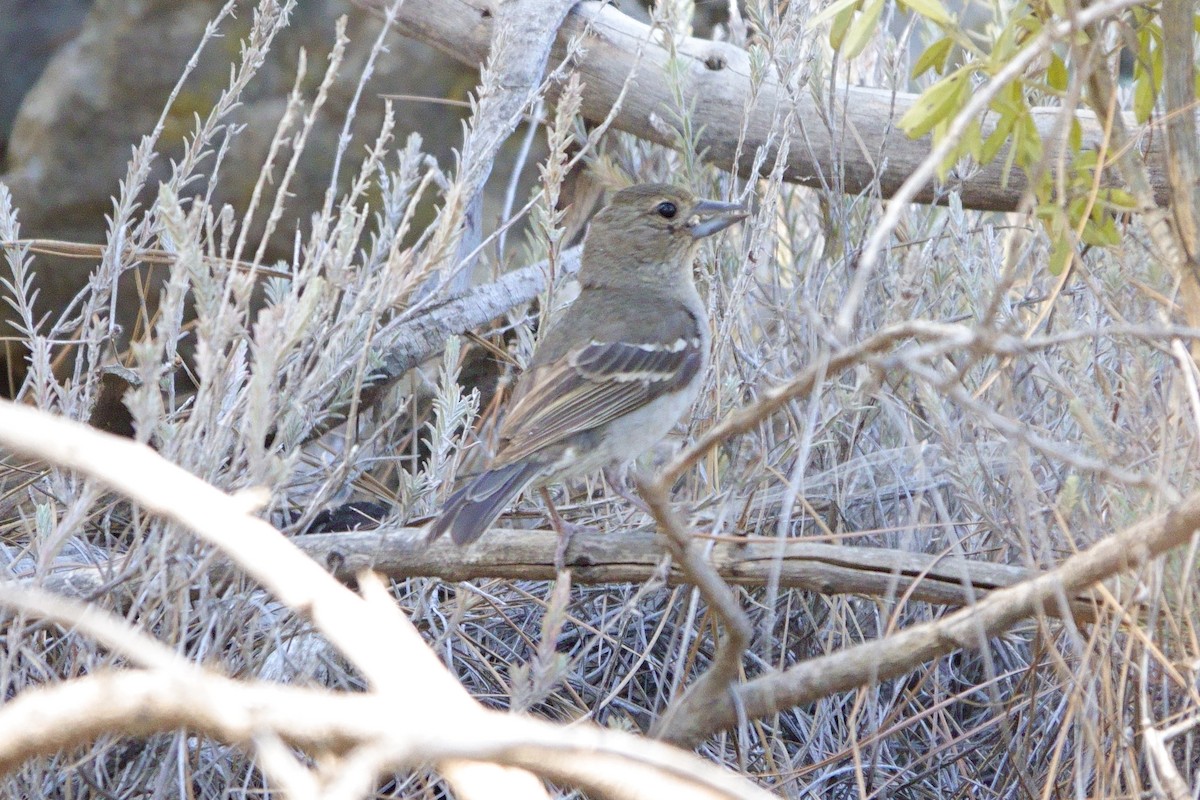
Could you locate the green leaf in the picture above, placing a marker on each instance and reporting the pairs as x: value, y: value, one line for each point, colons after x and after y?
x: 862, y: 29
x: 1147, y: 72
x: 1075, y: 136
x: 1102, y: 233
x: 1056, y: 73
x: 1119, y: 200
x: 1143, y: 98
x: 1011, y: 106
x: 1043, y: 183
x: 1060, y: 254
x: 1016, y: 144
x: 936, y: 104
x: 1075, y: 209
x: 1031, y: 140
x: 831, y: 11
x: 1046, y: 212
x: 1003, y: 48
x: 934, y: 57
x: 1010, y: 100
x: 943, y: 169
x: 932, y: 10
x: 995, y: 140
x: 972, y: 141
x: 837, y: 31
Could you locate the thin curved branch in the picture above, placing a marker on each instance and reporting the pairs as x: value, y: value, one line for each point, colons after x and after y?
x: 902, y: 652
x: 726, y: 665
x: 775, y: 398
x: 444, y: 724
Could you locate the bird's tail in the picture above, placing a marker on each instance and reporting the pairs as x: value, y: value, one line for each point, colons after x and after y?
x: 474, y: 507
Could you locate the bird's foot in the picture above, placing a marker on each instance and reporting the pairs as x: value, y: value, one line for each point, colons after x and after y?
x: 618, y: 481
x: 564, y: 529
x: 566, y: 532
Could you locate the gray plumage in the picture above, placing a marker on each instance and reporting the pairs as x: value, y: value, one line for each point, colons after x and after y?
x: 618, y: 368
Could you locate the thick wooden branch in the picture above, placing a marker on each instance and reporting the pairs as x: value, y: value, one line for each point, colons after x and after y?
x: 412, y: 340
x: 638, y: 556
x: 726, y: 107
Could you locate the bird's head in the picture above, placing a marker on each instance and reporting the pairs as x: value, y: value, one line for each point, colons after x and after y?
x: 649, y: 232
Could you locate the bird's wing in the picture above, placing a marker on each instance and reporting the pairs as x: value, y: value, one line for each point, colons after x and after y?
x: 590, y: 386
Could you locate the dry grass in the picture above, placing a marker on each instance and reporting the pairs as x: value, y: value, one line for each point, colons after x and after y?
x: 1014, y: 457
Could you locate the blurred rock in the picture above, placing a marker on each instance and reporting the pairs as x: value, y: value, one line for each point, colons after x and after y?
x: 31, y: 31
x: 105, y: 89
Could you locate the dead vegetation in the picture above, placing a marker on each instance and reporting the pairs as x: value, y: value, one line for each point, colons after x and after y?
x: 955, y: 401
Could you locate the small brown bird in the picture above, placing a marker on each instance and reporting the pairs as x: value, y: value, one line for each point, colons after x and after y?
x: 618, y: 368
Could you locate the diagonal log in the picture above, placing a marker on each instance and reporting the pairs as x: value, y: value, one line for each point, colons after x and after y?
x: 969, y: 628
x: 718, y: 91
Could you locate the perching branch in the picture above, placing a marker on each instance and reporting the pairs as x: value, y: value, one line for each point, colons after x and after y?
x: 405, y: 343
x: 632, y: 556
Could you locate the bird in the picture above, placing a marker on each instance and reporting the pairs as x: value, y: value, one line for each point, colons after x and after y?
x: 614, y: 372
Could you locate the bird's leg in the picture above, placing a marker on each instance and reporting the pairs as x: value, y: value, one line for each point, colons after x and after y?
x: 564, y: 529
x: 618, y: 481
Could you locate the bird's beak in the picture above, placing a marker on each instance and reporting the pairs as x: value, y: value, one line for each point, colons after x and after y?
x: 710, y: 216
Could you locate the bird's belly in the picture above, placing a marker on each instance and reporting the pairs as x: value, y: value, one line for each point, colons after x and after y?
x: 629, y: 436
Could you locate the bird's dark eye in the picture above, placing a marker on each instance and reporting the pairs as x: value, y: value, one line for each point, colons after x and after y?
x: 666, y: 209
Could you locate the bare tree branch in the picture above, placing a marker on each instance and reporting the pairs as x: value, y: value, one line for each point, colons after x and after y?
x: 717, y: 84
x: 726, y: 665
x: 445, y: 725
x: 1183, y: 162
x: 404, y: 343
x: 623, y: 556
x: 898, y: 654
x: 775, y: 398
x: 227, y: 522
x: 609, y: 764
